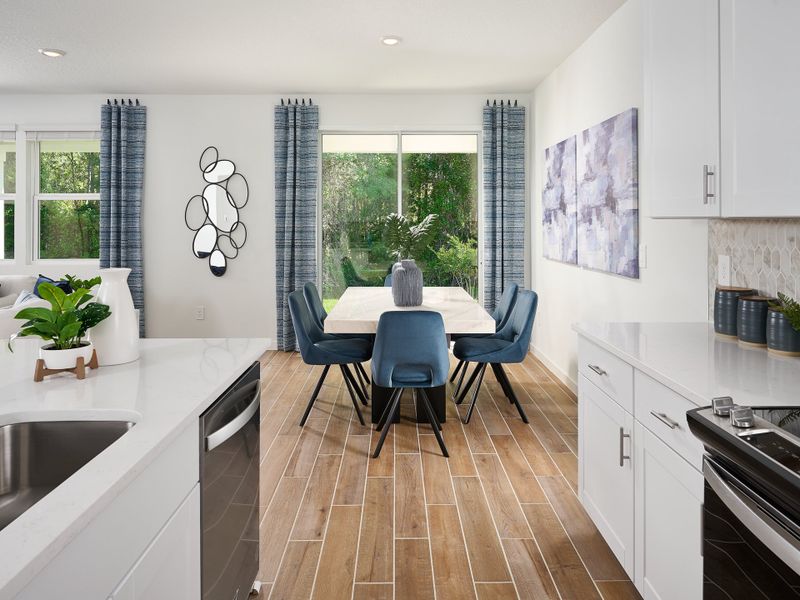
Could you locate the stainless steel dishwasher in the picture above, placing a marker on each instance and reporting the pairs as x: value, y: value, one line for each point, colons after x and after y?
x: 229, y: 502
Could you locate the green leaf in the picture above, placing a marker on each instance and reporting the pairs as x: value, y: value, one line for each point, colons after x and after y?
x: 37, y: 313
x: 55, y: 296
x: 70, y: 331
x: 92, y: 314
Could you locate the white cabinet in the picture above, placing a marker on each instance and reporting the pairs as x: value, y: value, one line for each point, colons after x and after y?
x: 681, y: 116
x: 760, y: 82
x: 606, y: 472
x: 669, y: 504
x: 169, y: 569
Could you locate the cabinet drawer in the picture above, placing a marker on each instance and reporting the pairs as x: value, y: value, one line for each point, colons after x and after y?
x: 663, y: 412
x: 611, y: 374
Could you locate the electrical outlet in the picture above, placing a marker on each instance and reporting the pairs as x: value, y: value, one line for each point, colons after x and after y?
x: 200, y: 312
x: 724, y: 269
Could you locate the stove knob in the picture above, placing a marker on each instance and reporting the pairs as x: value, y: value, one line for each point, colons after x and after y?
x: 742, y: 417
x: 722, y: 406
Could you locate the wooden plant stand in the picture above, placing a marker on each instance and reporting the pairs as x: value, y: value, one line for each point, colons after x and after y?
x: 79, y: 369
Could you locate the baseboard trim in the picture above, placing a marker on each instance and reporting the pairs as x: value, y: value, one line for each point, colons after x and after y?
x: 554, y: 369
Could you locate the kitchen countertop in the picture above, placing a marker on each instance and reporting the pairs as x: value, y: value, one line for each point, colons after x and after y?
x: 693, y: 360
x: 163, y: 392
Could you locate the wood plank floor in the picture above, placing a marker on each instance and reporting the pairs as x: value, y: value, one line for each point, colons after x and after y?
x: 499, y: 519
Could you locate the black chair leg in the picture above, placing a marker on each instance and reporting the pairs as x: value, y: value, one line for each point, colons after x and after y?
x: 482, y: 368
x: 315, y: 394
x: 471, y: 380
x: 456, y: 370
x: 510, y: 391
x: 352, y: 393
x: 502, y: 379
x: 348, y: 375
x: 435, y: 425
x: 363, y: 372
x: 385, y: 432
x: 460, y: 379
x: 362, y: 385
x: 387, y: 409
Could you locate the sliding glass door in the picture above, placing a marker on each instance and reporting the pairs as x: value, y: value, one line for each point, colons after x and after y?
x: 367, y: 177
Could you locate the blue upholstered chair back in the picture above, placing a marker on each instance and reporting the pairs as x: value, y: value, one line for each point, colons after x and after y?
x: 305, y: 327
x: 519, y: 326
x: 409, y: 342
x: 387, y: 281
x: 502, y: 311
x: 314, y: 302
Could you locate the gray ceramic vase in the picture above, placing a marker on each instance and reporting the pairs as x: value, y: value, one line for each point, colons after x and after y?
x: 406, y: 283
x: 781, y: 336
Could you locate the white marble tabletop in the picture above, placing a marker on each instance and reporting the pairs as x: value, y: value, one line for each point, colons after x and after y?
x: 359, y: 309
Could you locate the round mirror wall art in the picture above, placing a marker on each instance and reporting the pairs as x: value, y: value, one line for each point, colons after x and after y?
x: 214, y: 214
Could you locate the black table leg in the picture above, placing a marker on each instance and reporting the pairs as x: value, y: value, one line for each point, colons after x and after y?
x: 437, y: 395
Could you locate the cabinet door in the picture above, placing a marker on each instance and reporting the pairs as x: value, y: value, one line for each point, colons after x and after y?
x: 606, y: 473
x: 669, y: 505
x: 170, y: 567
x: 760, y: 62
x: 681, y: 107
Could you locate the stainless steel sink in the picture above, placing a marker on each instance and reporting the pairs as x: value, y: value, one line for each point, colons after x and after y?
x: 37, y: 457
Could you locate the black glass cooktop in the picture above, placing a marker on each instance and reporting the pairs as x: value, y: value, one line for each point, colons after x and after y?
x: 784, y: 449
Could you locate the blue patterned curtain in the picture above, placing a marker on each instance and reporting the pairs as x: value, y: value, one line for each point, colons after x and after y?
x: 503, y: 199
x: 296, y: 163
x: 122, y: 140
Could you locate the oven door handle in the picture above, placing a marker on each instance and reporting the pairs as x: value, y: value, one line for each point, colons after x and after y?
x: 227, y: 431
x: 779, y: 541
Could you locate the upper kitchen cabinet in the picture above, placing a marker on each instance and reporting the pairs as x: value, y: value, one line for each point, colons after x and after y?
x: 760, y: 117
x: 721, y: 108
x: 681, y: 116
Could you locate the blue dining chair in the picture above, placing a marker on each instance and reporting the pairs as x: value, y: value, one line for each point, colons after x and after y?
x: 501, y: 314
x: 319, y: 314
x: 319, y: 348
x: 509, y: 345
x: 410, y: 353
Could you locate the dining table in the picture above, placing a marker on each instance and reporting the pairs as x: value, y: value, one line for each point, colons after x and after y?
x: 359, y: 308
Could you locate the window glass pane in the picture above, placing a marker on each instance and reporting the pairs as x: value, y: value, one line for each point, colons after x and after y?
x: 8, y: 163
x: 359, y: 189
x: 69, y: 167
x: 69, y: 229
x: 440, y: 176
x: 7, y: 230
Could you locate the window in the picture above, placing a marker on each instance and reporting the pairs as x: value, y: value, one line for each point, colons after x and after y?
x: 366, y: 177
x: 8, y: 188
x: 66, y: 197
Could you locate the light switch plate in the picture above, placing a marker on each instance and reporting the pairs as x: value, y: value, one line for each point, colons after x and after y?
x: 724, y: 269
x: 200, y: 312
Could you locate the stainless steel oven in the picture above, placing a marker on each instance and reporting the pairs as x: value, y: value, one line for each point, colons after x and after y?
x: 229, y: 490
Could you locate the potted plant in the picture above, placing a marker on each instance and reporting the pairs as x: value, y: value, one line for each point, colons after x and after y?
x: 783, y: 326
x: 407, y: 241
x: 64, y: 324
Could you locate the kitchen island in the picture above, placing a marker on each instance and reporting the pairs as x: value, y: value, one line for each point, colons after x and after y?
x: 82, y: 539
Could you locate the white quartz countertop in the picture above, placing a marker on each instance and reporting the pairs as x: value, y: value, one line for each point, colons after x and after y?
x: 163, y: 392
x: 700, y: 365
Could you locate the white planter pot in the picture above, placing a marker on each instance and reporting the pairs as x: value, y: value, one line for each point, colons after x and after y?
x: 116, y: 339
x: 65, y: 359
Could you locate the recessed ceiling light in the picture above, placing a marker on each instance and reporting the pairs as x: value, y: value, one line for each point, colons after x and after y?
x: 390, y: 40
x: 52, y: 52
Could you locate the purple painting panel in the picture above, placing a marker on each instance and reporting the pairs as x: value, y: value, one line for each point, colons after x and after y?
x: 608, y: 196
x: 560, y: 203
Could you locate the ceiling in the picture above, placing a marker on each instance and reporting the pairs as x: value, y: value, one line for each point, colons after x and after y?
x: 263, y: 46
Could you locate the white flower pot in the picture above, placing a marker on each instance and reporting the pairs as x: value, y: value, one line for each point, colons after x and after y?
x: 116, y: 338
x: 65, y: 359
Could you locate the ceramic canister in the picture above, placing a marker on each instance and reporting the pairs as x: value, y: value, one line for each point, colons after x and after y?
x: 726, y: 305
x: 782, y: 338
x: 751, y: 321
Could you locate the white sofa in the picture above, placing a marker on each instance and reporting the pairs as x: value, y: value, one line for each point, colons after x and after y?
x: 10, y: 288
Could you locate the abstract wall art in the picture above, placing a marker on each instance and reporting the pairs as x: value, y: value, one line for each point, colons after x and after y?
x: 560, y: 203
x: 608, y: 196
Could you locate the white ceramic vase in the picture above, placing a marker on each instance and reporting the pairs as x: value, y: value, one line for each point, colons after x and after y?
x: 116, y: 339
x: 65, y: 359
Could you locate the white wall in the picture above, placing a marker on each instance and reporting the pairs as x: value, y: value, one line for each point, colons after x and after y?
x: 242, y: 302
x: 600, y: 79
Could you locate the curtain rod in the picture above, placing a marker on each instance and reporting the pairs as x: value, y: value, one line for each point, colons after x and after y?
x: 508, y: 102
x: 130, y: 103
x: 296, y: 102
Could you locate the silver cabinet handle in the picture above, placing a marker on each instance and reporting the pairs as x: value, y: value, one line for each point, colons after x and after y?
x: 708, y: 172
x: 227, y: 431
x: 622, y: 456
x: 666, y: 420
x: 597, y: 370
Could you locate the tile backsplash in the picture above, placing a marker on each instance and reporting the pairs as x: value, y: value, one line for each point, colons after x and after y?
x: 765, y: 254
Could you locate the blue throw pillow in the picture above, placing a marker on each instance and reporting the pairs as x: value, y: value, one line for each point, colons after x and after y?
x: 63, y: 285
